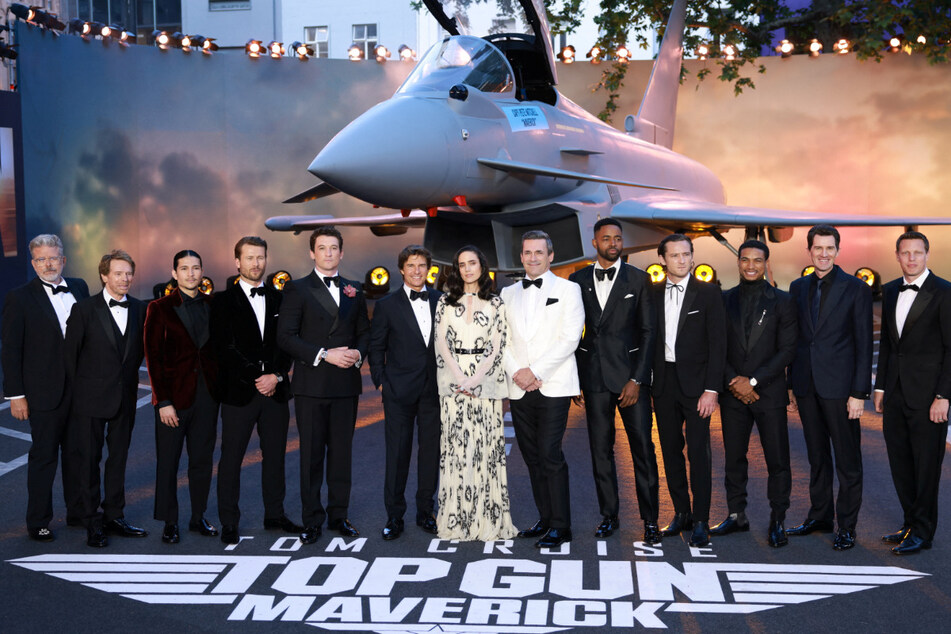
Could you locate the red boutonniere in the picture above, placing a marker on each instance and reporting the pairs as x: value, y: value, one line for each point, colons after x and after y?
x: 349, y: 290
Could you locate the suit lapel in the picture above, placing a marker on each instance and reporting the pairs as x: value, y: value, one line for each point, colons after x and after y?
x: 619, y: 286
x: 763, y: 310
x: 690, y: 295
x: 405, y: 309
x: 131, y: 327
x: 830, y: 297
x: 270, y: 309
x: 243, y: 304
x: 178, y: 306
x: 736, y: 318
x: 43, y: 300
x: 921, y: 302
x: 588, y: 294
x: 320, y: 292
x: 107, y: 322
x: 889, y: 303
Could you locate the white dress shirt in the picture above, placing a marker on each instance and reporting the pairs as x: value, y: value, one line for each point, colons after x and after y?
x: 906, y: 299
x: 421, y: 310
x: 258, y: 304
x: 119, y: 314
x: 673, y: 302
x: 62, y: 302
x: 531, y: 298
x: 603, y: 288
x: 333, y: 288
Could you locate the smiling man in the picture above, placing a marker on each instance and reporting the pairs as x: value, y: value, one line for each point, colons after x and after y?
x: 831, y: 377
x: 761, y: 342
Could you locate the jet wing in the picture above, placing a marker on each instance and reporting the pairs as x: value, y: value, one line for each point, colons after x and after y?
x: 695, y: 215
x: 317, y: 191
x: 415, y: 219
x: 516, y: 167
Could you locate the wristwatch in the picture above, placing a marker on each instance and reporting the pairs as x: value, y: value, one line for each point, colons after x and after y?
x: 280, y: 377
x: 322, y: 355
x: 753, y: 382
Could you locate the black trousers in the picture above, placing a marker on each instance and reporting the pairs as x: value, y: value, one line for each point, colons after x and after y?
x: 87, y: 435
x: 828, y: 431
x: 540, y: 423
x: 398, y: 429
x: 326, y: 430
x: 916, y: 449
x: 599, y: 411
x: 50, y: 444
x: 198, y: 427
x: 677, y: 412
x: 737, y: 424
x: 237, y: 422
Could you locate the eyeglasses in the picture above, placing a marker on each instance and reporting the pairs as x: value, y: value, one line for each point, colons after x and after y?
x: 53, y: 260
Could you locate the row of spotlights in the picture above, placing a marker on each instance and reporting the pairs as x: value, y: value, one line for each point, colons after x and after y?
x: 164, y: 41
x: 36, y: 15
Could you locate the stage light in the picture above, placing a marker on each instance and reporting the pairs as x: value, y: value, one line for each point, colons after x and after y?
x: 355, y: 53
x: 815, y: 48
x: 594, y: 54
x: 623, y: 54
x: 75, y: 27
x: 206, y: 44
x: 379, y: 276
x: 705, y: 273
x: 105, y: 31
x: 567, y: 54
x: 382, y: 53
x: 785, y: 48
x: 922, y: 40
x: 302, y: 50
x: 867, y: 275
x: 21, y: 11
x: 279, y: 279
x: 376, y: 284
x: 807, y: 271
x: 894, y: 44
x: 433, y: 274
x: 254, y: 48
x: 841, y: 47
x: 170, y: 286
x: 729, y: 52
x: 161, y: 39
x: 703, y: 51
x: 92, y: 29
x: 276, y: 49
x: 6, y: 51
x: 657, y: 273
x: 207, y: 287
x: 127, y: 37
x: 406, y: 53
x: 186, y: 42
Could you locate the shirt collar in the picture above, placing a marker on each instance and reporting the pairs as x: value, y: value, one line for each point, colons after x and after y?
x: 323, y: 277
x: 247, y: 287
x: 106, y: 296
x: 918, y: 280
x: 616, y: 265
x: 408, y: 290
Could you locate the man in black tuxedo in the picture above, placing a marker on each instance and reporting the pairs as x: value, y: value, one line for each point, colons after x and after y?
x: 688, y: 374
x: 403, y: 362
x: 831, y: 376
x: 103, y: 353
x: 615, y: 357
x: 761, y: 342
x: 34, y: 378
x: 324, y: 326
x: 912, y: 387
x: 253, y: 384
x: 182, y: 371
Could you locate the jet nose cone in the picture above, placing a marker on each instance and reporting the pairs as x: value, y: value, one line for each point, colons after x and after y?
x: 394, y: 155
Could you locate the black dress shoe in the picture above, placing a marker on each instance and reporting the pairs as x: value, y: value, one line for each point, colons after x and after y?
x: 393, y: 529
x: 41, y: 534
x: 911, y: 544
x: 734, y: 522
x: 170, y: 534
x: 777, y: 534
x: 282, y: 523
x: 897, y: 538
x: 425, y: 522
x: 844, y: 539
x: 681, y: 522
x: 344, y: 527
x: 121, y: 527
x: 203, y: 527
x: 811, y: 526
x: 608, y: 525
x: 96, y: 537
x: 229, y: 534
x: 310, y: 534
x: 701, y: 535
x: 537, y: 530
x: 652, y: 533
x: 554, y: 538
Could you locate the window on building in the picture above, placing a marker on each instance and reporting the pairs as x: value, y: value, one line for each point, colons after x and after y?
x: 318, y: 38
x: 364, y: 35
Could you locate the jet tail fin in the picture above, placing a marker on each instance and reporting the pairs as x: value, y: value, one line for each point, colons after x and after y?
x: 655, y: 117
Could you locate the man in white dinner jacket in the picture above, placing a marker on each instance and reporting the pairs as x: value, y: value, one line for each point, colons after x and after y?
x: 545, y: 319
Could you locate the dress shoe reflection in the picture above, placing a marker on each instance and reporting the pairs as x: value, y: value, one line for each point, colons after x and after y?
x: 607, y: 527
x: 203, y: 527
x: 124, y: 529
x: 911, y: 544
x: 777, y: 534
x: 811, y: 526
x: 537, y: 530
x: 681, y: 522
x: 652, y: 534
x: 733, y: 523
x: 554, y: 538
x: 344, y: 527
x: 310, y: 535
x: 701, y: 535
x: 393, y: 529
x: 844, y: 539
x: 897, y: 537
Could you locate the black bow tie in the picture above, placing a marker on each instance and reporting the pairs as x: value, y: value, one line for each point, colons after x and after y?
x: 908, y: 287
x: 258, y: 290
x: 537, y: 283
x: 335, y: 279
x: 57, y: 289
x: 113, y: 302
x: 414, y: 295
x: 602, y: 273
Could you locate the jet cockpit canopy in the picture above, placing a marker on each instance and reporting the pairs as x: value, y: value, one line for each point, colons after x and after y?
x: 461, y: 59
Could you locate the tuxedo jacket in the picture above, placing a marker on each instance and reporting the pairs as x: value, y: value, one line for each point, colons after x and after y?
x: 770, y: 346
x: 101, y: 368
x: 311, y: 320
x: 32, y: 352
x: 547, y: 345
x: 920, y: 359
x: 700, y: 348
x: 618, y: 342
x: 173, y: 359
x: 242, y: 354
x: 834, y: 357
x: 400, y: 360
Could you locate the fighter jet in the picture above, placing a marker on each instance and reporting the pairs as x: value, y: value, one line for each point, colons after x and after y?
x: 478, y: 146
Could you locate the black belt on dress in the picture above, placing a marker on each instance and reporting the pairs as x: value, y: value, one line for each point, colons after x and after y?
x: 469, y: 350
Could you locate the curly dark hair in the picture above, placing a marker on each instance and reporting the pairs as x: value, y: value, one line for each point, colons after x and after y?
x: 454, y: 284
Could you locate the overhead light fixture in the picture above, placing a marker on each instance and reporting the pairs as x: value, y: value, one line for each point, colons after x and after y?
x: 594, y: 54
x: 254, y: 48
x: 815, y: 48
x: 355, y: 53
x: 657, y: 273
x: 406, y: 53
x: 567, y: 54
x: 279, y: 279
x: 382, y: 53
x: 705, y: 273
x: 841, y: 47
x: 276, y: 49
x: 785, y: 48
x: 302, y: 50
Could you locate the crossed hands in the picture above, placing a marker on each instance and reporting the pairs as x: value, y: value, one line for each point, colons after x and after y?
x: 342, y: 357
x: 527, y: 380
x: 744, y: 392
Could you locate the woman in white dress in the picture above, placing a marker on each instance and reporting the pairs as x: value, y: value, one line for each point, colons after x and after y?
x: 470, y: 337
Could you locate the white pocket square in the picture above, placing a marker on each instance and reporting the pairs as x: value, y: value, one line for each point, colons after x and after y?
x: 628, y: 296
x: 693, y: 312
